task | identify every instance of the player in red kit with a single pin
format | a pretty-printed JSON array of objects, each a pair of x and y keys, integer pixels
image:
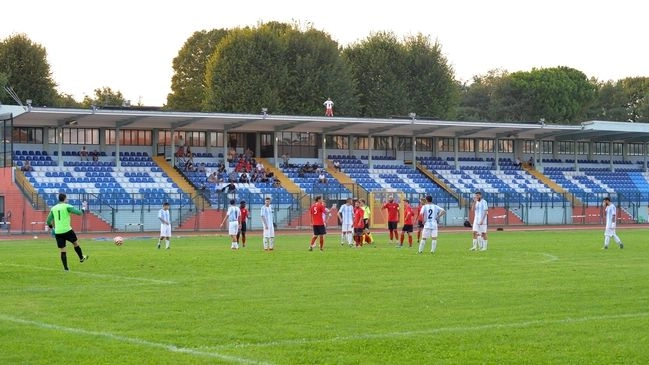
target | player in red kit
[
  {"x": 317, "y": 212},
  {"x": 393, "y": 218},
  {"x": 359, "y": 224},
  {"x": 243, "y": 218},
  {"x": 408, "y": 217}
]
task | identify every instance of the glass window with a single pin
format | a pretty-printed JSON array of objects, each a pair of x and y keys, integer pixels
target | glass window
[
  {"x": 635, "y": 149},
  {"x": 360, "y": 143},
  {"x": 85, "y": 136},
  {"x": 443, "y": 144},
  {"x": 129, "y": 137},
  {"x": 485, "y": 145},
  {"x": 382, "y": 143},
  {"x": 27, "y": 135},
  {"x": 566, "y": 148},
  {"x": 404, "y": 143},
  {"x": 466, "y": 145},
  {"x": 506, "y": 145},
  {"x": 338, "y": 142}
]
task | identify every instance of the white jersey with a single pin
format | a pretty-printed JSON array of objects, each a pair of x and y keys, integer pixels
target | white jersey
[
  {"x": 267, "y": 216},
  {"x": 610, "y": 215},
  {"x": 164, "y": 217},
  {"x": 430, "y": 213},
  {"x": 328, "y": 104},
  {"x": 347, "y": 214},
  {"x": 233, "y": 214},
  {"x": 480, "y": 209}
]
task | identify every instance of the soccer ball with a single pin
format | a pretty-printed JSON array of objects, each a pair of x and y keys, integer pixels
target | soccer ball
[{"x": 118, "y": 240}]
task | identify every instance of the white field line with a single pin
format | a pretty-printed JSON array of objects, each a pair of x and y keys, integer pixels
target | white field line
[
  {"x": 550, "y": 257},
  {"x": 133, "y": 340},
  {"x": 432, "y": 331},
  {"x": 82, "y": 273}
]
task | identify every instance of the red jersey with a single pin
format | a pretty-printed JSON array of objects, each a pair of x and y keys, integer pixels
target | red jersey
[
  {"x": 408, "y": 215},
  {"x": 393, "y": 211},
  {"x": 244, "y": 215},
  {"x": 317, "y": 211},
  {"x": 358, "y": 217}
]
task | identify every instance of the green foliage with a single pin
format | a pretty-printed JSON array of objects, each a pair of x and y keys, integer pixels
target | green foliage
[
  {"x": 104, "y": 96},
  {"x": 202, "y": 303},
  {"x": 558, "y": 95},
  {"x": 378, "y": 65},
  {"x": 395, "y": 78},
  {"x": 24, "y": 64},
  {"x": 279, "y": 67},
  {"x": 67, "y": 101},
  {"x": 188, "y": 82}
]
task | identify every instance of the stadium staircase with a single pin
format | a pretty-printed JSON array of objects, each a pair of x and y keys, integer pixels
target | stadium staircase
[
  {"x": 347, "y": 181},
  {"x": 182, "y": 183},
  {"x": 441, "y": 183},
  {"x": 552, "y": 185},
  {"x": 287, "y": 183}
]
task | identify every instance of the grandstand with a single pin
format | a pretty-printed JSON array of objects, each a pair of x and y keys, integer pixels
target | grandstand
[{"x": 572, "y": 167}]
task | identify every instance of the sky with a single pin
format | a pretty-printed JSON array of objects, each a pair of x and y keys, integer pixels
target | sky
[{"x": 129, "y": 46}]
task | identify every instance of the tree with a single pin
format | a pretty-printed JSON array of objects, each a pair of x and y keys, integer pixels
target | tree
[
  {"x": 431, "y": 86},
  {"x": 396, "y": 78},
  {"x": 635, "y": 91},
  {"x": 279, "y": 67},
  {"x": 66, "y": 101},
  {"x": 104, "y": 96},
  {"x": 378, "y": 66},
  {"x": 24, "y": 64},
  {"x": 559, "y": 95},
  {"x": 188, "y": 84},
  {"x": 476, "y": 98}
]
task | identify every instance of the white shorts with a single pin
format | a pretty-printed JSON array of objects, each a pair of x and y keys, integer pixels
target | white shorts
[
  {"x": 233, "y": 228},
  {"x": 610, "y": 232},
  {"x": 347, "y": 227},
  {"x": 269, "y": 232},
  {"x": 165, "y": 230},
  {"x": 429, "y": 233},
  {"x": 480, "y": 228}
]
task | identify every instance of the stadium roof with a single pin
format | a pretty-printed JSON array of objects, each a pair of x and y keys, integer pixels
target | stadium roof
[{"x": 136, "y": 119}]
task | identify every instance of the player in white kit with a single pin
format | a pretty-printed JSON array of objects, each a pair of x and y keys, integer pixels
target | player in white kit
[
  {"x": 232, "y": 217},
  {"x": 611, "y": 216},
  {"x": 480, "y": 209},
  {"x": 165, "y": 225},
  {"x": 346, "y": 216},
  {"x": 430, "y": 213},
  {"x": 267, "y": 222}
]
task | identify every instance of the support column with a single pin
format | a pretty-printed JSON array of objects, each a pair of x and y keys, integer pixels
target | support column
[
  {"x": 496, "y": 141},
  {"x": 324, "y": 150},
  {"x": 370, "y": 145},
  {"x": 610, "y": 156},
  {"x": 456, "y": 153},
  {"x": 59, "y": 139},
  {"x": 118, "y": 159},
  {"x": 414, "y": 153},
  {"x": 275, "y": 149},
  {"x": 225, "y": 149}
]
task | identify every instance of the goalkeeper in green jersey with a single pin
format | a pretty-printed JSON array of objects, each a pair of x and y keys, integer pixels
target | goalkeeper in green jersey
[{"x": 59, "y": 221}]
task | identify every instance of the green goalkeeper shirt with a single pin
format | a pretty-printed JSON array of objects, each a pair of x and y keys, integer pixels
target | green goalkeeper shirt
[{"x": 60, "y": 215}]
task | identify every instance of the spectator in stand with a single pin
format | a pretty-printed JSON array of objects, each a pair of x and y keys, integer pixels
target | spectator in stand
[
  {"x": 201, "y": 167},
  {"x": 233, "y": 177},
  {"x": 213, "y": 178},
  {"x": 249, "y": 154},
  {"x": 531, "y": 162},
  {"x": 244, "y": 178},
  {"x": 285, "y": 159},
  {"x": 232, "y": 154},
  {"x": 95, "y": 155},
  {"x": 27, "y": 166},
  {"x": 337, "y": 165},
  {"x": 83, "y": 154},
  {"x": 221, "y": 167},
  {"x": 322, "y": 178},
  {"x": 189, "y": 166},
  {"x": 260, "y": 167},
  {"x": 180, "y": 141},
  {"x": 518, "y": 163},
  {"x": 189, "y": 154}
]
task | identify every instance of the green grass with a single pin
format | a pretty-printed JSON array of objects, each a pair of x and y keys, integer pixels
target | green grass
[{"x": 533, "y": 298}]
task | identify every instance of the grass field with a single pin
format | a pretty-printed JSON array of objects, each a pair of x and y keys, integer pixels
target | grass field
[{"x": 533, "y": 298}]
